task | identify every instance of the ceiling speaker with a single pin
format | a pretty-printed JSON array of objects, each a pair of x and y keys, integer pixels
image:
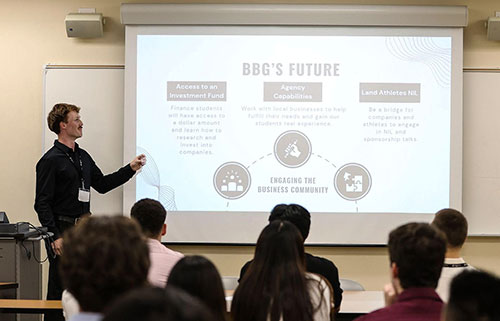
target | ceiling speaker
[
  {"x": 84, "y": 25},
  {"x": 494, "y": 28}
]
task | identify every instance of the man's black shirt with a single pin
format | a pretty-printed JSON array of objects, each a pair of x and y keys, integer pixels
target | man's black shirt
[
  {"x": 58, "y": 180},
  {"x": 317, "y": 265}
]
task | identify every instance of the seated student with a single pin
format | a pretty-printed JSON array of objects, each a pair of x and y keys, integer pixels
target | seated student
[
  {"x": 151, "y": 216},
  {"x": 199, "y": 277},
  {"x": 155, "y": 304},
  {"x": 276, "y": 286},
  {"x": 454, "y": 226},
  {"x": 473, "y": 296},
  {"x": 103, "y": 258},
  {"x": 301, "y": 218},
  {"x": 416, "y": 253},
  {"x": 69, "y": 305}
]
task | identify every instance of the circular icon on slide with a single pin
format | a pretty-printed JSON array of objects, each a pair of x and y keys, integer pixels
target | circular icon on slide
[
  {"x": 352, "y": 181},
  {"x": 292, "y": 149},
  {"x": 232, "y": 180}
]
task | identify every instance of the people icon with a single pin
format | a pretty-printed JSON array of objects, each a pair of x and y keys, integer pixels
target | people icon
[{"x": 232, "y": 180}]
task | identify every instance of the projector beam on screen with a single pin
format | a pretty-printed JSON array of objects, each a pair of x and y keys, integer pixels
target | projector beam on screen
[{"x": 359, "y": 125}]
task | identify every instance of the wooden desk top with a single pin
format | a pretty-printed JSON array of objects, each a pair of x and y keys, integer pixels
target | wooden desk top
[
  {"x": 8, "y": 285},
  {"x": 353, "y": 302},
  {"x": 29, "y": 306},
  {"x": 361, "y": 302}
]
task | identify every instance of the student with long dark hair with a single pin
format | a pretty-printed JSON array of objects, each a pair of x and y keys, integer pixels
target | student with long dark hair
[
  {"x": 199, "y": 277},
  {"x": 301, "y": 218},
  {"x": 276, "y": 285}
]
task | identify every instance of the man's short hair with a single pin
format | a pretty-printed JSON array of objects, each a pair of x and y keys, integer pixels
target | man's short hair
[
  {"x": 454, "y": 226},
  {"x": 103, "y": 258},
  {"x": 418, "y": 250},
  {"x": 59, "y": 113},
  {"x": 474, "y": 296},
  {"x": 151, "y": 216},
  {"x": 294, "y": 213}
]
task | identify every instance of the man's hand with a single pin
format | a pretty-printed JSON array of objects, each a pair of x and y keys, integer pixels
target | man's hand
[
  {"x": 137, "y": 163},
  {"x": 390, "y": 294},
  {"x": 57, "y": 246}
]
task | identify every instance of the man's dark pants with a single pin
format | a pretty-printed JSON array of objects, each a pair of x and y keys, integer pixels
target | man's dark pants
[{"x": 55, "y": 287}]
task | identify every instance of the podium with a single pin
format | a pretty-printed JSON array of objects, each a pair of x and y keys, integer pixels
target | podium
[{"x": 18, "y": 264}]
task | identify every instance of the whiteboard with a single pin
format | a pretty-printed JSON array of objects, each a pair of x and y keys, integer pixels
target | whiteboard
[
  {"x": 481, "y": 158},
  {"x": 99, "y": 91}
]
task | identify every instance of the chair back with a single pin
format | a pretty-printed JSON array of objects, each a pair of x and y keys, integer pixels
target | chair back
[
  {"x": 350, "y": 285},
  {"x": 229, "y": 282}
]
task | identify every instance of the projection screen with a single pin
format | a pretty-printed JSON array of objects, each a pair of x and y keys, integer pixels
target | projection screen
[{"x": 361, "y": 125}]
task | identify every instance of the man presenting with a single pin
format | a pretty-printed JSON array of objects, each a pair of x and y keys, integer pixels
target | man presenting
[{"x": 64, "y": 176}]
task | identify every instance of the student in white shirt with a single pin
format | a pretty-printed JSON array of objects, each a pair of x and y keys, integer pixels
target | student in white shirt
[
  {"x": 150, "y": 215},
  {"x": 454, "y": 225},
  {"x": 104, "y": 257}
]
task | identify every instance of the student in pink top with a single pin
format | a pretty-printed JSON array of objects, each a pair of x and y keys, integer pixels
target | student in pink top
[{"x": 151, "y": 216}]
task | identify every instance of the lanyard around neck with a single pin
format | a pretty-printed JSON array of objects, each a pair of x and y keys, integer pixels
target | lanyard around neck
[
  {"x": 455, "y": 265},
  {"x": 79, "y": 169}
]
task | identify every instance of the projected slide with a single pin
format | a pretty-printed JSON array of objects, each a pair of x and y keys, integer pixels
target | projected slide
[{"x": 339, "y": 124}]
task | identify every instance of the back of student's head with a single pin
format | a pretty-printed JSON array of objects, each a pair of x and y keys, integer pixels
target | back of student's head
[
  {"x": 199, "y": 277},
  {"x": 156, "y": 304},
  {"x": 474, "y": 295},
  {"x": 294, "y": 213},
  {"x": 418, "y": 251},
  {"x": 274, "y": 283},
  {"x": 279, "y": 244},
  {"x": 103, "y": 258},
  {"x": 151, "y": 216},
  {"x": 453, "y": 224}
]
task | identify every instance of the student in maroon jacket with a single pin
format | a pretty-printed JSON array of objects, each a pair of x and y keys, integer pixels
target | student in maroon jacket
[{"x": 416, "y": 252}]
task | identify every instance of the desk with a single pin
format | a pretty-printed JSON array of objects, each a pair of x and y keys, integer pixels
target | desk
[
  {"x": 354, "y": 303},
  {"x": 29, "y": 306},
  {"x": 357, "y": 303},
  {"x": 361, "y": 302}
]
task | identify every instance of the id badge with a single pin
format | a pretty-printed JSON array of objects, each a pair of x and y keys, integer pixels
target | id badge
[{"x": 84, "y": 195}]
